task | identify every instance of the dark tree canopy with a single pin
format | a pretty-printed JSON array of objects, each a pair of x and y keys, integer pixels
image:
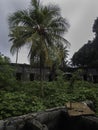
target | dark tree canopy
[
  {"x": 95, "y": 27},
  {"x": 88, "y": 54}
]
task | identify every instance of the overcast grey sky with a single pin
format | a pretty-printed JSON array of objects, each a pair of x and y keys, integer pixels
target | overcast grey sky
[{"x": 80, "y": 14}]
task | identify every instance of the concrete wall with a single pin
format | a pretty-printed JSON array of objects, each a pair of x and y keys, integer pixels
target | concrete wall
[{"x": 26, "y": 72}]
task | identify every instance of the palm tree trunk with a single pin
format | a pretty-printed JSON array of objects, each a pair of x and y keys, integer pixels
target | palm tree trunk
[
  {"x": 17, "y": 56},
  {"x": 41, "y": 77}
]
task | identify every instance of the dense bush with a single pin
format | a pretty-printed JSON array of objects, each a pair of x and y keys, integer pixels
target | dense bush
[
  {"x": 6, "y": 72},
  {"x": 18, "y": 103},
  {"x": 25, "y": 97}
]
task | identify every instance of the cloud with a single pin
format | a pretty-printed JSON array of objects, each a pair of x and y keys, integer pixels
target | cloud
[
  {"x": 80, "y": 14},
  {"x": 7, "y": 7}
]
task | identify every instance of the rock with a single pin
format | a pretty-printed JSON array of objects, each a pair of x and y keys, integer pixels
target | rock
[
  {"x": 90, "y": 104},
  {"x": 48, "y": 119},
  {"x": 52, "y": 119},
  {"x": 34, "y": 125}
]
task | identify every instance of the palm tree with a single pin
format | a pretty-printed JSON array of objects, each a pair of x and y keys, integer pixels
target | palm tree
[
  {"x": 17, "y": 41},
  {"x": 43, "y": 26},
  {"x": 63, "y": 54}
]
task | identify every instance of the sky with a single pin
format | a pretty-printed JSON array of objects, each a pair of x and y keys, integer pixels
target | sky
[{"x": 79, "y": 13}]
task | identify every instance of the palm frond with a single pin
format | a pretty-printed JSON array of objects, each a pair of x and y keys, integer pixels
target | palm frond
[
  {"x": 41, "y": 26},
  {"x": 35, "y": 4}
]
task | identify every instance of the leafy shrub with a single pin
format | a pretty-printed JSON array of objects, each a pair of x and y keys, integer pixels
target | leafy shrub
[
  {"x": 13, "y": 104},
  {"x": 25, "y": 97},
  {"x": 6, "y": 72}
]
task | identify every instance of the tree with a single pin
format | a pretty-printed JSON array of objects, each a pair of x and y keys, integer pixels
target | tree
[
  {"x": 42, "y": 26},
  {"x": 70, "y": 89},
  {"x": 17, "y": 41},
  {"x": 59, "y": 61},
  {"x": 63, "y": 54},
  {"x": 84, "y": 55},
  {"x": 88, "y": 54},
  {"x": 95, "y": 27},
  {"x": 6, "y": 72}
]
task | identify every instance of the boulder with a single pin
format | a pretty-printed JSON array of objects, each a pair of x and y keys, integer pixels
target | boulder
[
  {"x": 45, "y": 120},
  {"x": 90, "y": 104},
  {"x": 52, "y": 119}
]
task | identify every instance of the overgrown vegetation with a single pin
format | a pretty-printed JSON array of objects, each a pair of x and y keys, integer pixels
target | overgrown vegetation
[
  {"x": 18, "y": 98},
  {"x": 44, "y": 27},
  {"x": 6, "y": 72},
  {"x": 26, "y": 97}
]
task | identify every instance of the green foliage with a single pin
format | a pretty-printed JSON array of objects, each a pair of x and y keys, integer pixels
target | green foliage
[
  {"x": 13, "y": 104},
  {"x": 26, "y": 97},
  {"x": 60, "y": 77},
  {"x": 84, "y": 90},
  {"x": 75, "y": 76},
  {"x": 6, "y": 72}
]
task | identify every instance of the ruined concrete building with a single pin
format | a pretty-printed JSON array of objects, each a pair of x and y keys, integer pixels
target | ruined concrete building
[
  {"x": 25, "y": 72},
  {"x": 89, "y": 74}
]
